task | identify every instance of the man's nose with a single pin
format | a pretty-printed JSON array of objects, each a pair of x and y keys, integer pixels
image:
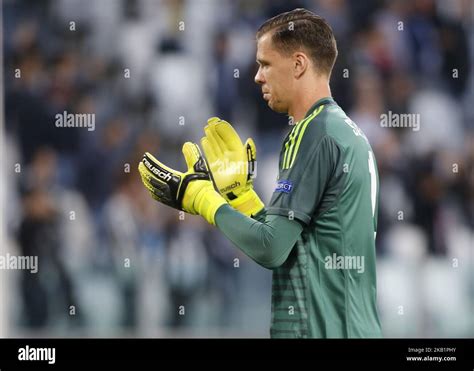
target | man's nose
[{"x": 259, "y": 77}]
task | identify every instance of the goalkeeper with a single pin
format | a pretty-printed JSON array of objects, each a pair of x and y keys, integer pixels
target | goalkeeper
[{"x": 317, "y": 233}]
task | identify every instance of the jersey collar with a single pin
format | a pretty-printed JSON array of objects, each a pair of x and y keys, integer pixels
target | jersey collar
[{"x": 325, "y": 100}]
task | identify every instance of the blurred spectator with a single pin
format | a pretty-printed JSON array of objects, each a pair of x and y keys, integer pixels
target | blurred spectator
[
  {"x": 186, "y": 270},
  {"x": 48, "y": 293}
]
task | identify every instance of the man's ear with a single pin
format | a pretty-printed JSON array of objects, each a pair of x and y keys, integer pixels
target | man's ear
[{"x": 300, "y": 64}]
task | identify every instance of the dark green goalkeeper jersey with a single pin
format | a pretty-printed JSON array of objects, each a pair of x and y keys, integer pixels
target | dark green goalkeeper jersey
[{"x": 328, "y": 181}]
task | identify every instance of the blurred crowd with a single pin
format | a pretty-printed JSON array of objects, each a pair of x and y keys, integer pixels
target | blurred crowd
[{"x": 112, "y": 261}]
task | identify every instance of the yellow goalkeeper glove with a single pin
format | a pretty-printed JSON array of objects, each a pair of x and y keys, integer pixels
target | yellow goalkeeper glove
[
  {"x": 191, "y": 191},
  {"x": 232, "y": 165}
]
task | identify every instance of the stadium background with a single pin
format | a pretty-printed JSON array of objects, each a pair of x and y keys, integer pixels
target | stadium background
[{"x": 114, "y": 263}]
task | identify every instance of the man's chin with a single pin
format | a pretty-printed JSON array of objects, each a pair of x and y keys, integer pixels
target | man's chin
[{"x": 277, "y": 107}]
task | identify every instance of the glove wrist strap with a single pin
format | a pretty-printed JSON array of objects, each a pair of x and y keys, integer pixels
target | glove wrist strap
[
  {"x": 207, "y": 202},
  {"x": 247, "y": 203}
]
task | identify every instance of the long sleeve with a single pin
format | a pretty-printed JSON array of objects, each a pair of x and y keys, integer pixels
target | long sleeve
[{"x": 267, "y": 239}]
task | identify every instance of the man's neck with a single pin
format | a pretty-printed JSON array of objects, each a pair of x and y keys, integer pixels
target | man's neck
[{"x": 306, "y": 98}]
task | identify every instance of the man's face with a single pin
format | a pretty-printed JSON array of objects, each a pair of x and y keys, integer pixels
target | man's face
[{"x": 274, "y": 74}]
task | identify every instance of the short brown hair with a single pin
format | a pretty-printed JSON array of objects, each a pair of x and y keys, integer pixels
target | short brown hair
[{"x": 301, "y": 28}]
